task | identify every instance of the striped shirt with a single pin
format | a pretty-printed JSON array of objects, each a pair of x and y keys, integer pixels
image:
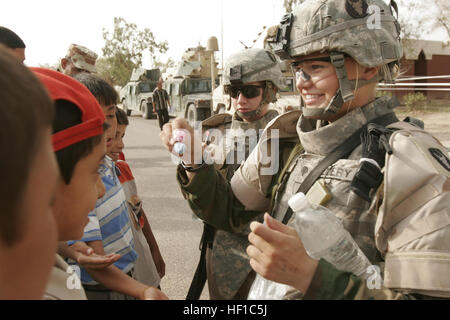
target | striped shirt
[
  {"x": 109, "y": 222},
  {"x": 145, "y": 269}
]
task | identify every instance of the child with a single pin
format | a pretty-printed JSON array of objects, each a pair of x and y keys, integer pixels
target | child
[
  {"x": 79, "y": 145},
  {"x": 149, "y": 266},
  {"x": 109, "y": 228},
  {"x": 27, "y": 226}
]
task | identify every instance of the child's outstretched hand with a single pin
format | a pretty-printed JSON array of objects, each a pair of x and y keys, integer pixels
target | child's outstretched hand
[{"x": 86, "y": 257}]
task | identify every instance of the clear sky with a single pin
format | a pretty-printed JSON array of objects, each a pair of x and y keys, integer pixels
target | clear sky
[{"x": 48, "y": 27}]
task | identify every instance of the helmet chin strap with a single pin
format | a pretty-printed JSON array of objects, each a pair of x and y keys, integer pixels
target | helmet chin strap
[
  {"x": 267, "y": 97},
  {"x": 343, "y": 94}
]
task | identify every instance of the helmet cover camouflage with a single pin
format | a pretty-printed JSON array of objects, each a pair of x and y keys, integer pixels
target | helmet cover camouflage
[
  {"x": 364, "y": 29},
  {"x": 82, "y": 57},
  {"x": 252, "y": 65}
]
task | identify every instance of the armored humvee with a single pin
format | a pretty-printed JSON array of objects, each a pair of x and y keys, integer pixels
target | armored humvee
[
  {"x": 137, "y": 94},
  {"x": 190, "y": 86}
]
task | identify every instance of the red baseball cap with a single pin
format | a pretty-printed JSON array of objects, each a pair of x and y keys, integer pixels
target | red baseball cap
[{"x": 62, "y": 87}]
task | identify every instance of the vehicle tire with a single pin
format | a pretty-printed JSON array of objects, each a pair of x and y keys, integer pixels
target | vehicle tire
[
  {"x": 125, "y": 107},
  {"x": 191, "y": 115},
  {"x": 146, "y": 112}
]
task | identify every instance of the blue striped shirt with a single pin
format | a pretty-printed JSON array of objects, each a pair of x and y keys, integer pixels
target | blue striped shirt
[{"x": 109, "y": 222}]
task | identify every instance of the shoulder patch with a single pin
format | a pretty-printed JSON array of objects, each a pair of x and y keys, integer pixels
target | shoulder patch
[
  {"x": 356, "y": 8},
  {"x": 440, "y": 157}
]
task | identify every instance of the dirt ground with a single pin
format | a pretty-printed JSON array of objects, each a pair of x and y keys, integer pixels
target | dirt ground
[{"x": 437, "y": 123}]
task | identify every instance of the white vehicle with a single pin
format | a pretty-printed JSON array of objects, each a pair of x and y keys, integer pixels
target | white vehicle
[{"x": 137, "y": 94}]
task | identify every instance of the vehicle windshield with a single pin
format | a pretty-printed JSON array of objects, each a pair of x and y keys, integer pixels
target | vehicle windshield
[
  {"x": 198, "y": 85},
  {"x": 147, "y": 87}
]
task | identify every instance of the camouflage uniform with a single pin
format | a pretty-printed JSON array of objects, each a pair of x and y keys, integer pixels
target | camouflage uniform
[
  {"x": 419, "y": 248},
  {"x": 235, "y": 138},
  {"x": 226, "y": 270},
  {"x": 82, "y": 58}
]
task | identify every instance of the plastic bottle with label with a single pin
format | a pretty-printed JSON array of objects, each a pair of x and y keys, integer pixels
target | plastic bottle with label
[{"x": 323, "y": 236}]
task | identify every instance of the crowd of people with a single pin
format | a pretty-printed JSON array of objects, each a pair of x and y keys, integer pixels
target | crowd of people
[{"x": 388, "y": 181}]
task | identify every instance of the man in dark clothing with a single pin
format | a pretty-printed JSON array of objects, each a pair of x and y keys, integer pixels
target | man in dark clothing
[{"x": 161, "y": 103}]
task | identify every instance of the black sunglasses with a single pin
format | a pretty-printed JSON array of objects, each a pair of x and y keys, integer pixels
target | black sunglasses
[{"x": 249, "y": 91}]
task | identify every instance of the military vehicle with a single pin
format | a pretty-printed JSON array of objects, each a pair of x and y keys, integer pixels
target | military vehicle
[
  {"x": 221, "y": 101},
  {"x": 190, "y": 86},
  {"x": 288, "y": 97},
  {"x": 137, "y": 94}
]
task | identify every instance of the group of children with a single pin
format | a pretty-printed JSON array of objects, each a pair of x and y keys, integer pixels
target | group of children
[{"x": 69, "y": 194}]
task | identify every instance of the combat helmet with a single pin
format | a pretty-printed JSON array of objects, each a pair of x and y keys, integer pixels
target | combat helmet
[
  {"x": 252, "y": 65},
  {"x": 365, "y": 30}
]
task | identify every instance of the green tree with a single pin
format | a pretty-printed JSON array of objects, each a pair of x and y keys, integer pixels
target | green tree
[{"x": 124, "y": 48}]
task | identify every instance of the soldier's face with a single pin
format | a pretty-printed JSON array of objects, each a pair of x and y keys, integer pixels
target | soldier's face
[
  {"x": 243, "y": 104},
  {"x": 316, "y": 81}
]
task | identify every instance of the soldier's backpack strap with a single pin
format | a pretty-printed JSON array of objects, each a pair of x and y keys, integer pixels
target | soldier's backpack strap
[
  {"x": 199, "y": 279},
  {"x": 341, "y": 151},
  {"x": 283, "y": 176}
]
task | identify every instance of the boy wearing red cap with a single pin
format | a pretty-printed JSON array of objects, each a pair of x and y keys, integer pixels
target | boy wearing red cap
[
  {"x": 79, "y": 143},
  {"x": 109, "y": 229},
  {"x": 79, "y": 146}
]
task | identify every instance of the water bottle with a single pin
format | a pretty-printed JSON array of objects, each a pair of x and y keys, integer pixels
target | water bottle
[
  {"x": 263, "y": 289},
  {"x": 324, "y": 236}
]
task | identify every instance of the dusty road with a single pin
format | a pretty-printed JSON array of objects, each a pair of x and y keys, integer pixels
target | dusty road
[
  {"x": 176, "y": 232},
  {"x": 178, "y": 235}
]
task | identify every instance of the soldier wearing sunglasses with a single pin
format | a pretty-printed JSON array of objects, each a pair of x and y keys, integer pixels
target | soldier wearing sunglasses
[{"x": 251, "y": 78}]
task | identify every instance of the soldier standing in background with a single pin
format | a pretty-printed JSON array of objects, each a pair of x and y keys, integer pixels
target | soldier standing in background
[
  {"x": 251, "y": 90},
  {"x": 78, "y": 59},
  {"x": 161, "y": 103},
  {"x": 400, "y": 224}
]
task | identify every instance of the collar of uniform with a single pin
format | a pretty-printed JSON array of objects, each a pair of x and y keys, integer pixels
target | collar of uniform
[
  {"x": 238, "y": 123},
  {"x": 324, "y": 140}
]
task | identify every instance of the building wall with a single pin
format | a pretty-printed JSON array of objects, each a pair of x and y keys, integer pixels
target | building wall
[{"x": 438, "y": 65}]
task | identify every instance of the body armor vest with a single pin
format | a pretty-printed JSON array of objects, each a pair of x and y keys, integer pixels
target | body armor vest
[{"x": 227, "y": 265}]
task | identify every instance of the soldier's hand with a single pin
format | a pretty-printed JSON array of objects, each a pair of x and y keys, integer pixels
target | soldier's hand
[
  {"x": 193, "y": 153},
  {"x": 277, "y": 253}
]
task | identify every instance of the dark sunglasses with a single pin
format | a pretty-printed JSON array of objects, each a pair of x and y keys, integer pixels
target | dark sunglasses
[{"x": 249, "y": 91}]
